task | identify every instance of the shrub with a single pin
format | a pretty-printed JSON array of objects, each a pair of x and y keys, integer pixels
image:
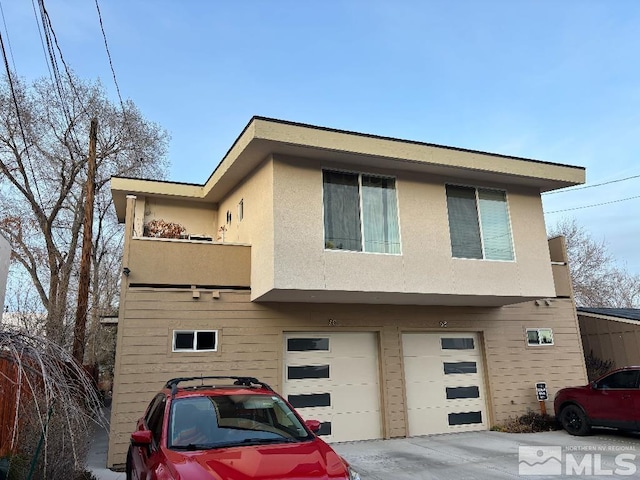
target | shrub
[
  {"x": 596, "y": 367},
  {"x": 530, "y": 422}
]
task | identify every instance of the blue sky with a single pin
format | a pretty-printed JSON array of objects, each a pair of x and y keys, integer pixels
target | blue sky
[{"x": 551, "y": 80}]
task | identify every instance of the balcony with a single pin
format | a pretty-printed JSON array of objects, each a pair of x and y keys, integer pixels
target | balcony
[{"x": 160, "y": 261}]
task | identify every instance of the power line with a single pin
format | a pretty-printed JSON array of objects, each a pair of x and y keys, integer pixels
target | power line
[
  {"x": 44, "y": 50},
  {"x": 4, "y": 21},
  {"x": 49, "y": 34},
  {"x": 15, "y": 103},
  {"x": 591, "y": 186},
  {"x": 106, "y": 46},
  {"x": 593, "y": 205}
]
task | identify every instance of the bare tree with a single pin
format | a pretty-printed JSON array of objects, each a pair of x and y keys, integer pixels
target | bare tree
[
  {"x": 43, "y": 157},
  {"x": 598, "y": 280}
]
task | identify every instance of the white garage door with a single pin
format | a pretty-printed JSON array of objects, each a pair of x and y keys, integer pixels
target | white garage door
[
  {"x": 333, "y": 378},
  {"x": 445, "y": 383}
]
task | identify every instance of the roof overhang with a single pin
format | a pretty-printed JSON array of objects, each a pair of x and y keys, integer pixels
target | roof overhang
[
  {"x": 609, "y": 317},
  {"x": 265, "y": 136}
]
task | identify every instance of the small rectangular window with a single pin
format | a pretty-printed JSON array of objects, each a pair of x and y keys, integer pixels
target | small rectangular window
[
  {"x": 310, "y": 400},
  {"x": 307, "y": 344},
  {"x": 241, "y": 210},
  {"x": 539, "y": 336},
  {"x": 308, "y": 371},
  {"x": 195, "y": 340},
  {"x": 457, "y": 343},
  {"x": 183, "y": 340},
  {"x": 453, "y": 368},
  {"x": 465, "y": 418},
  {"x": 462, "y": 392},
  {"x": 325, "y": 429}
]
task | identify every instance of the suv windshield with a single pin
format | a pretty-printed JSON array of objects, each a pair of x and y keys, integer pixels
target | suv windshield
[{"x": 215, "y": 421}]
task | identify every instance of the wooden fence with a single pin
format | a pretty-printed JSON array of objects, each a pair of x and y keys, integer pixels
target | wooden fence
[{"x": 8, "y": 388}]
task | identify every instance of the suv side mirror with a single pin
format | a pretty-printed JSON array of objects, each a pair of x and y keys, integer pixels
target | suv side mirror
[
  {"x": 141, "y": 438},
  {"x": 313, "y": 425}
]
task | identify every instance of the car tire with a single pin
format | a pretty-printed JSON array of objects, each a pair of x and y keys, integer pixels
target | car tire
[
  {"x": 127, "y": 469},
  {"x": 574, "y": 420}
]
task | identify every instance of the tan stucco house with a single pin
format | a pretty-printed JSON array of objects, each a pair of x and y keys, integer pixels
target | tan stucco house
[{"x": 387, "y": 288}]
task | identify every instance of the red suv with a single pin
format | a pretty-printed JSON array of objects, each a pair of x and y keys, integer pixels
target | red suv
[
  {"x": 611, "y": 401},
  {"x": 238, "y": 428}
]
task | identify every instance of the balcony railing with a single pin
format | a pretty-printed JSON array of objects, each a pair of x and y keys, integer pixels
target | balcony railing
[{"x": 159, "y": 261}]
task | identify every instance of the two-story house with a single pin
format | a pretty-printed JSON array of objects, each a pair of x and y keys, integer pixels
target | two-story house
[{"x": 387, "y": 288}]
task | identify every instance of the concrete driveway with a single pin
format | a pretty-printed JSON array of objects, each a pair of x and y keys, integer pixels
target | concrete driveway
[
  {"x": 468, "y": 456},
  {"x": 495, "y": 456}
]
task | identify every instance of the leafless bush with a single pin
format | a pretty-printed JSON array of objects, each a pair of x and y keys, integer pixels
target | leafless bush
[
  {"x": 597, "y": 367},
  {"x": 56, "y": 406},
  {"x": 530, "y": 422}
]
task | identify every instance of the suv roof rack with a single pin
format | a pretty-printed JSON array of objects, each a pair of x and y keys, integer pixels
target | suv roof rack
[{"x": 244, "y": 381}]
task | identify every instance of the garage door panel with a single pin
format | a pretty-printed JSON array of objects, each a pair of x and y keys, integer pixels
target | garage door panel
[
  {"x": 415, "y": 345},
  {"x": 353, "y": 344},
  {"x": 444, "y": 382},
  {"x": 343, "y": 378},
  {"x": 355, "y": 426},
  {"x": 427, "y": 393}
]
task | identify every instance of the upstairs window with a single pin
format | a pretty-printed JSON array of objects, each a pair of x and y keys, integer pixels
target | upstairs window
[
  {"x": 360, "y": 213},
  {"x": 479, "y": 223}
]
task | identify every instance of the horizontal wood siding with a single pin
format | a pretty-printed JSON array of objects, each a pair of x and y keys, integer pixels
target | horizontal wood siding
[
  {"x": 251, "y": 343},
  {"x": 611, "y": 340}
]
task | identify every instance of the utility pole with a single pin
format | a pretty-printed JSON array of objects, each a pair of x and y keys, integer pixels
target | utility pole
[{"x": 80, "y": 329}]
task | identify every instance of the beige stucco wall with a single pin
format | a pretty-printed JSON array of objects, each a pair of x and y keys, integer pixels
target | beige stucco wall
[
  {"x": 159, "y": 261},
  {"x": 251, "y": 343},
  {"x": 257, "y": 227},
  {"x": 198, "y": 218},
  {"x": 425, "y": 266},
  {"x": 283, "y": 223}
]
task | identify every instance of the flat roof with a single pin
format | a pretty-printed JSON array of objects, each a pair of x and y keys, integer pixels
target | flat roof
[{"x": 265, "y": 136}]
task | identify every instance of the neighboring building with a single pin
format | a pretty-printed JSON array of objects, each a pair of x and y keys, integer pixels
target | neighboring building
[
  {"x": 5, "y": 258},
  {"x": 28, "y": 321},
  {"x": 611, "y": 334},
  {"x": 386, "y": 287}
]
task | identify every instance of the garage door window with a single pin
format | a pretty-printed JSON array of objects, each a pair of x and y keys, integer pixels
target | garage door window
[
  {"x": 462, "y": 392},
  {"x": 308, "y": 371},
  {"x": 311, "y": 400},
  {"x": 307, "y": 344},
  {"x": 457, "y": 343},
  {"x": 465, "y": 418},
  {"x": 454, "y": 368}
]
